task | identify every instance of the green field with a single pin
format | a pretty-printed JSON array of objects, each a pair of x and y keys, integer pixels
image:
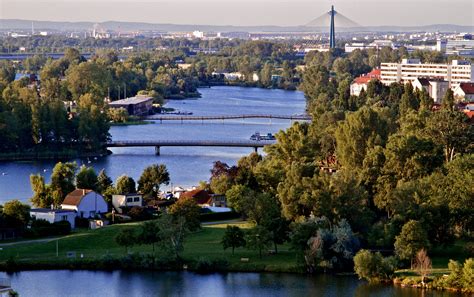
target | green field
[{"x": 95, "y": 244}]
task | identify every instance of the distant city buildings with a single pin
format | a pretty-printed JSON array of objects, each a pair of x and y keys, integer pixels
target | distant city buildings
[
  {"x": 410, "y": 69},
  {"x": 461, "y": 45}
]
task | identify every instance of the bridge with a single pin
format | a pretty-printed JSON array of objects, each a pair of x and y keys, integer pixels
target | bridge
[
  {"x": 182, "y": 118},
  {"x": 183, "y": 143}
]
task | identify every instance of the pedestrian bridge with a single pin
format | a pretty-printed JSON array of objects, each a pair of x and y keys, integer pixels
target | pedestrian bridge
[
  {"x": 182, "y": 118},
  {"x": 184, "y": 143}
]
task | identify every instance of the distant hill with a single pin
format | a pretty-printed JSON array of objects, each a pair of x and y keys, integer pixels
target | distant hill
[{"x": 16, "y": 24}]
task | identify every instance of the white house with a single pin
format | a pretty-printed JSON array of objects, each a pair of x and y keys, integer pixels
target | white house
[
  {"x": 126, "y": 200},
  {"x": 54, "y": 215},
  {"x": 86, "y": 203},
  {"x": 436, "y": 88},
  {"x": 464, "y": 92},
  {"x": 361, "y": 82}
]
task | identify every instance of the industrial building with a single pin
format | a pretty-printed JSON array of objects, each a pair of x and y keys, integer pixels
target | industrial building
[{"x": 137, "y": 106}]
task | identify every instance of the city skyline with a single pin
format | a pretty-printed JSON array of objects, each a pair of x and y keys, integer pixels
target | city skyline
[{"x": 212, "y": 12}]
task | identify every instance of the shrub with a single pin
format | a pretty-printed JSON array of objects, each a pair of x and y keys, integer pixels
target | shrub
[
  {"x": 205, "y": 265},
  {"x": 373, "y": 267},
  {"x": 82, "y": 222}
]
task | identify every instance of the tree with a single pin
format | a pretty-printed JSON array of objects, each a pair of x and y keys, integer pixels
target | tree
[
  {"x": 86, "y": 178},
  {"x": 17, "y": 211},
  {"x": 62, "y": 181},
  {"x": 125, "y": 185},
  {"x": 188, "y": 209},
  {"x": 411, "y": 239},
  {"x": 41, "y": 192},
  {"x": 258, "y": 238},
  {"x": 103, "y": 181},
  {"x": 422, "y": 264},
  {"x": 152, "y": 177},
  {"x": 126, "y": 238},
  {"x": 450, "y": 129},
  {"x": 233, "y": 237},
  {"x": 448, "y": 100},
  {"x": 360, "y": 131},
  {"x": 172, "y": 235},
  {"x": 149, "y": 233}
]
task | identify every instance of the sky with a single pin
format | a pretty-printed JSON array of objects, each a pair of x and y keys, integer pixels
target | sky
[{"x": 243, "y": 12}]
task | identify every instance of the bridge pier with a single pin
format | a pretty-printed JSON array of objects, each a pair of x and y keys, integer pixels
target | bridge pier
[
  {"x": 256, "y": 149},
  {"x": 157, "y": 150}
]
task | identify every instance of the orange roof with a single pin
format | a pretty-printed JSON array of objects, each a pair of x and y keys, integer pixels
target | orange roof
[
  {"x": 365, "y": 78},
  {"x": 200, "y": 196},
  {"x": 75, "y": 197},
  {"x": 468, "y": 88}
]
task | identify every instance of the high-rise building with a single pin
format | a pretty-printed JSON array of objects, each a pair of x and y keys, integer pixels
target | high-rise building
[{"x": 410, "y": 69}]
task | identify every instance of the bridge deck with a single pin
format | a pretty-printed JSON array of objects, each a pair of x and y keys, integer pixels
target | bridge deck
[
  {"x": 221, "y": 143},
  {"x": 226, "y": 117}
]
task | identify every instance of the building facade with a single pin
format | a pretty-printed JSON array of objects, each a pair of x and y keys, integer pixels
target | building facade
[
  {"x": 138, "y": 105},
  {"x": 434, "y": 87},
  {"x": 126, "y": 200},
  {"x": 361, "y": 82},
  {"x": 410, "y": 69},
  {"x": 86, "y": 203},
  {"x": 54, "y": 215},
  {"x": 464, "y": 92}
]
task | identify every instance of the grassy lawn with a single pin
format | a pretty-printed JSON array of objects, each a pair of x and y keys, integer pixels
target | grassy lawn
[{"x": 202, "y": 244}]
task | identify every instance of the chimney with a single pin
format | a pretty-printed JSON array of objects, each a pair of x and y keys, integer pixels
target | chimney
[{"x": 84, "y": 192}]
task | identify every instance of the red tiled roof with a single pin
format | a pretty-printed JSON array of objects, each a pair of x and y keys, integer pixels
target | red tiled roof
[
  {"x": 200, "y": 196},
  {"x": 75, "y": 197},
  {"x": 468, "y": 88},
  {"x": 365, "y": 78}
]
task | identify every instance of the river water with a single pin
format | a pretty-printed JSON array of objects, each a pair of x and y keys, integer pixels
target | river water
[
  {"x": 187, "y": 165},
  {"x": 66, "y": 283}
]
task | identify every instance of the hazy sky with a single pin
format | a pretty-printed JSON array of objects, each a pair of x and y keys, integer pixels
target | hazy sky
[{"x": 243, "y": 12}]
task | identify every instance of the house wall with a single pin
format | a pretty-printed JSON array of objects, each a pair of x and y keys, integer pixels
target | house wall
[
  {"x": 122, "y": 201},
  {"x": 54, "y": 217},
  {"x": 91, "y": 204}
]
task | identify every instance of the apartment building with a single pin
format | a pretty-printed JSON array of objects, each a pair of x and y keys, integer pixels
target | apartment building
[{"x": 410, "y": 69}]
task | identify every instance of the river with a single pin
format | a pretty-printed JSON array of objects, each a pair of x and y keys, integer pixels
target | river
[
  {"x": 187, "y": 165},
  {"x": 66, "y": 283}
]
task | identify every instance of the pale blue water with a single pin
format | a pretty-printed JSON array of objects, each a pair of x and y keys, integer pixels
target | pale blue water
[
  {"x": 66, "y": 283},
  {"x": 187, "y": 165}
]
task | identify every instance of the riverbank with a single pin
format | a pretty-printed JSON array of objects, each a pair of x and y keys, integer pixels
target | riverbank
[
  {"x": 50, "y": 155},
  {"x": 97, "y": 250}
]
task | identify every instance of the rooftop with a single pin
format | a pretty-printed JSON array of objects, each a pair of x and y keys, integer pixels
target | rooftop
[
  {"x": 75, "y": 197},
  {"x": 47, "y": 210},
  {"x": 132, "y": 100},
  {"x": 468, "y": 88}
]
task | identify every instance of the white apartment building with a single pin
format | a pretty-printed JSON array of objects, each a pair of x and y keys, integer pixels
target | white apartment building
[{"x": 410, "y": 69}]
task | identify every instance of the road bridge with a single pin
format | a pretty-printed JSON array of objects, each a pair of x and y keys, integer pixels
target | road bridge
[{"x": 183, "y": 143}]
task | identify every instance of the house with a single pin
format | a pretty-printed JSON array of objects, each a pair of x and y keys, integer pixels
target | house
[
  {"x": 54, "y": 215},
  {"x": 86, "y": 203},
  {"x": 464, "y": 92},
  {"x": 361, "y": 82},
  {"x": 436, "y": 88},
  {"x": 126, "y": 200},
  {"x": 204, "y": 198},
  {"x": 140, "y": 105}
]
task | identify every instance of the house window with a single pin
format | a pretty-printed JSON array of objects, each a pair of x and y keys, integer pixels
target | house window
[
  {"x": 63, "y": 218},
  {"x": 92, "y": 214},
  {"x": 129, "y": 200},
  {"x": 136, "y": 199}
]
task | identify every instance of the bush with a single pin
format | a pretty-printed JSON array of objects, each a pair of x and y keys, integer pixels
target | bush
[
  {"x": 42, "y": 228},
  {"x": 138, "y": 213},
  {"x": 218, "y": 216},
  {"x": 373, "y": 267},
  {"x": 82, "y": 222},
  {"x": 204, "y": 265}
]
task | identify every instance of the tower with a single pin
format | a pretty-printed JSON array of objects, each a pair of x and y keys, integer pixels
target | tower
[{"x": 332, "y": 33}]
